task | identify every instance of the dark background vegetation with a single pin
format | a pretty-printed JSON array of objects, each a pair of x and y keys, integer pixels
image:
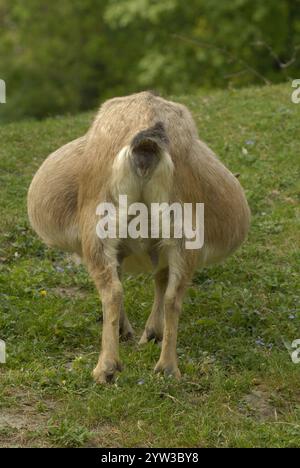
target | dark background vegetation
[{"x": 68, "y": 55}]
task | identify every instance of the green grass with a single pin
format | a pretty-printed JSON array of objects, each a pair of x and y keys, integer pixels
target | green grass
[{"x": 239, "y": 386}]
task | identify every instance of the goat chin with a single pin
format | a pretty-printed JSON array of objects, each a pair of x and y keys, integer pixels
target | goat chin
[{"x": 148, "y": 149}]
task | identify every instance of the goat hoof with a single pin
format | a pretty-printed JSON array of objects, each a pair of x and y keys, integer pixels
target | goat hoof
[
  {"x": 150, "y": 334},
  {"x": 126, "y": 333},
  {"x": 105, "y": 371},
  {"x": 168, "y": 369}
]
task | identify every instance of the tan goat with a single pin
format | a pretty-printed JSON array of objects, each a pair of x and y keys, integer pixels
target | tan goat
[{"x": 146, "y": 148}]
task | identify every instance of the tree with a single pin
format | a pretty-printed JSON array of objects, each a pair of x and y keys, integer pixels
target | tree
[{"x": 66, "y": 56}]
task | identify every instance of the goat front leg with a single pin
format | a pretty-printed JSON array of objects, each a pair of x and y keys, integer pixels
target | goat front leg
[
  {"x": 177, "y": 283},
  {"x": 125, "y": 328},
  {"x": 111, "y": 292},
  {"x": 155, "y": 322}
]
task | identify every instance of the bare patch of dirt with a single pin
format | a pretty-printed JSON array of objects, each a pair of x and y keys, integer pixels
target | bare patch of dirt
[
  {"x": 69, "y": 292},
  {"x": 25, "y": 425},
  {"x": 258, "y": 403}
]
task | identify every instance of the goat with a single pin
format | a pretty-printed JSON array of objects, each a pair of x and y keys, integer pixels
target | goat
[{"x": 147, "y": 148}]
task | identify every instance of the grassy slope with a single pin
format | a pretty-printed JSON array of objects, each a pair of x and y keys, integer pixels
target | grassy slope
[{"x": 239, "y": 387}]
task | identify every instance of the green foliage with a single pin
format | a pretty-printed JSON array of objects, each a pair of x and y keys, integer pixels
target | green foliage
[
  {"x": 64, "y": 56},
  {"x": 239, "y": 386}
]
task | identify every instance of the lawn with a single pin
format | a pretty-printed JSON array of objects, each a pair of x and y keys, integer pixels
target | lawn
[{"x": 240, "y": 387}]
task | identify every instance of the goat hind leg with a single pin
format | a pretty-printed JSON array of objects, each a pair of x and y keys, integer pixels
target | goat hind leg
[{"x": 110, "y": 289}]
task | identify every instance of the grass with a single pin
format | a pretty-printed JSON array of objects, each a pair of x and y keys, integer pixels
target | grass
[{"x": 240, "y": 387}]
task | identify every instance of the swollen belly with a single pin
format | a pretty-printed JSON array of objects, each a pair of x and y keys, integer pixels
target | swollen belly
[{"x": 67, "y": 240}]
